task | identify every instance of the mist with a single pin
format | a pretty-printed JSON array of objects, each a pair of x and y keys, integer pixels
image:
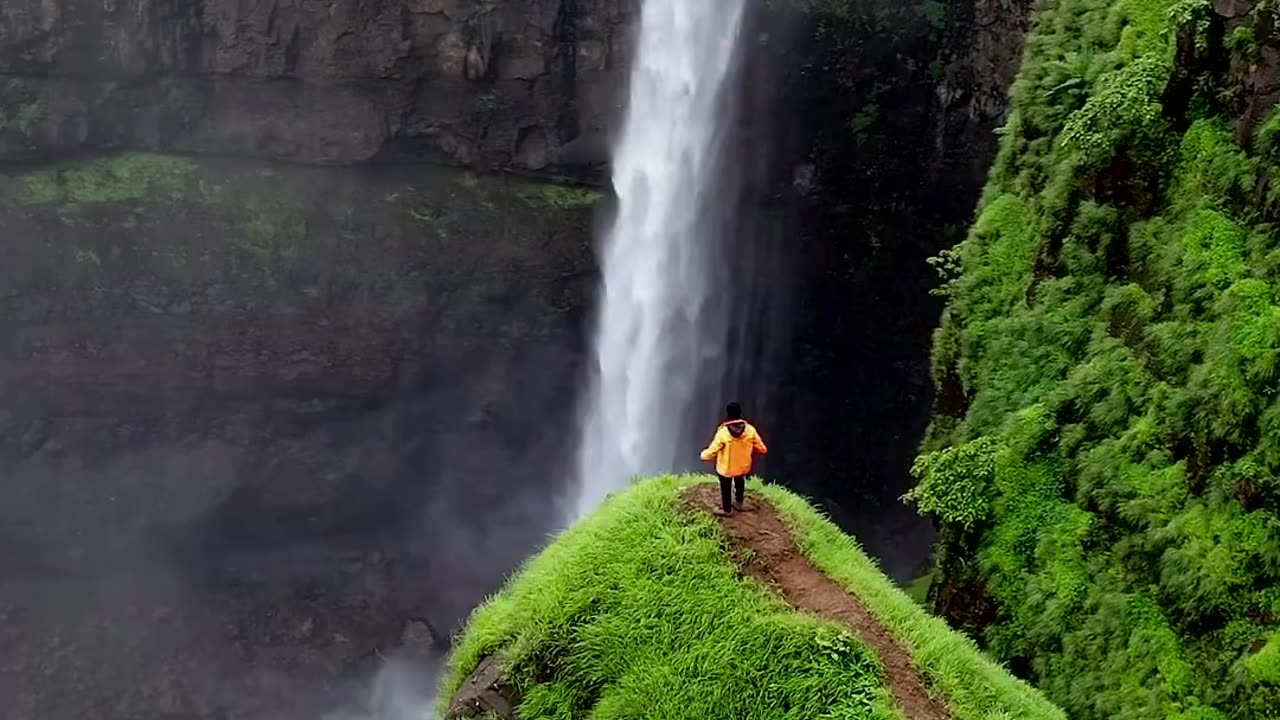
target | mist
[{"x": 401, "y": 690}]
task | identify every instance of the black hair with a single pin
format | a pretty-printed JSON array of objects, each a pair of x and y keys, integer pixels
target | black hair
[{"x": 734, "y": 411}]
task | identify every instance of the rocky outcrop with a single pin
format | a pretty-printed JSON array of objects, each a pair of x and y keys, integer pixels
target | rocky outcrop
[
  {"x": 258, "y": 417},
  {"x": 982, "y": 49},
  {"x": 486, "y": 693},
  {"x": 527, "y": 84}
]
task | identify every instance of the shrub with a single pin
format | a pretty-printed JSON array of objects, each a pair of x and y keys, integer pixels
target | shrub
[{"x": 956, "y": 483}]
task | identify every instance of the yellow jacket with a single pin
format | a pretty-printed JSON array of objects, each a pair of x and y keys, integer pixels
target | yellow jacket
[{"x": 733, "y": 446}]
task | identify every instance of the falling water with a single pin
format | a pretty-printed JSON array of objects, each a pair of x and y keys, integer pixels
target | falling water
[{"x": 660, "y": 339}]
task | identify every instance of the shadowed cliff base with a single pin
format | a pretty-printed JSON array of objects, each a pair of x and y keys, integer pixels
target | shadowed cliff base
[{"x": 243, "y": 403}]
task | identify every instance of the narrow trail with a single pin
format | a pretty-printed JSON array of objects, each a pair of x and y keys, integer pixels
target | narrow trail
[{"x": 777, "y": 561}]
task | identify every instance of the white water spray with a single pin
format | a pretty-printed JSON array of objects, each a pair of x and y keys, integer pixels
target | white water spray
[
  {"x": 401, "y": 690},
  {"x": 658, "y": 337}
]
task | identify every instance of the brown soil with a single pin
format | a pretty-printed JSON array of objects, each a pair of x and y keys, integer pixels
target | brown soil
[{"x": 777, "y": 561}]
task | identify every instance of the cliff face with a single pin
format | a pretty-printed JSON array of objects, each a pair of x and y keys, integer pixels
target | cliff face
[
  {"x": 265, "y": 381},
  {"x": 525, "y": 84},
  {"x": 982, "y": 46},
  {"x": 894, "y": 107},
  {"x": 266, "y": 422}
]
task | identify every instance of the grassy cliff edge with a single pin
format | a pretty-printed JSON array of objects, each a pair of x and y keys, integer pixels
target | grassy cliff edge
[{"x": 640, "y": 610}]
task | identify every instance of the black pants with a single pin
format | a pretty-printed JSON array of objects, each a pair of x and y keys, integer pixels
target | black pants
[{"x": 739, "y": 487}]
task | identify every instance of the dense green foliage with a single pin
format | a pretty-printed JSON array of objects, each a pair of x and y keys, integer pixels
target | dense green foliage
[
  {"x": 639, "y": 611},
  {"x": 956, "y": 482},
  {"x": 1107, "y": 438}
]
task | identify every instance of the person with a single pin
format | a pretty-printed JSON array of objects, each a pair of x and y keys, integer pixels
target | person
[{"x": 735, "y": 443}]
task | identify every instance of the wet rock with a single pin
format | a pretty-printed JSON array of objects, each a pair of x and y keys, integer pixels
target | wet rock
[
  {"x": 241, "y": 486},
  {"x": 306, "y": 631},
  {"x": 437, "y": 80},
  {"x": 533, "y": 149},
  {"x": 982, "y": 52},
  {"x": 419, "y": 640},
  {"x": 1233, "y": 8},
  {"x": 486, "y": 693},
  {"x": 35, "y": 437}
]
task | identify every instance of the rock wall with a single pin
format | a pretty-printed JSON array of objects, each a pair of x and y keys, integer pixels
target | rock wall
[
  {"x": 894, "y": 108},
  {"x": 525, "y": 84},
  {"x": 241, "y": 396},
  {"x": 982, "y": 47},
  {"x": 282, "y": 391}
]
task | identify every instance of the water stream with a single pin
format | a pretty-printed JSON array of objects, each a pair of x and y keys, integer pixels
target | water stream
[{"x": 660, "y": 340}]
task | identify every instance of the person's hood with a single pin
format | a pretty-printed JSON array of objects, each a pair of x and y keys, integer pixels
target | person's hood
[{"x": 736, "y": 428}]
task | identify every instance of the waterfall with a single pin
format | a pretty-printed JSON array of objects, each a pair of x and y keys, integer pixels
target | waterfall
[{"x": 661, "y": 339}]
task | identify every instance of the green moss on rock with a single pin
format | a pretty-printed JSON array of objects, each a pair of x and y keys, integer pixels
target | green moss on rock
[
  {"x": 563, "y": 197},
  {"x": 29, "y": 117},
  {"x": 119, "y": 178}
]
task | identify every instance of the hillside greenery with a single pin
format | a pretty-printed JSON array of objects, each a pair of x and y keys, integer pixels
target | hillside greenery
[
  {"x": 1104, "y": 458},
  {"x": 639, "y": 611}
]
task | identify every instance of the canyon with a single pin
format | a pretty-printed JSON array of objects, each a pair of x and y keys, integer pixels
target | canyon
[{"x": 296, "y": 298}]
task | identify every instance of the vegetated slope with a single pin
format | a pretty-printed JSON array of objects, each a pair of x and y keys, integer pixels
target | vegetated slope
[
  {"x": 1106, "y": 446},
  {"x": 642, "y": 610},
  {"x": 763, "y": 549}
]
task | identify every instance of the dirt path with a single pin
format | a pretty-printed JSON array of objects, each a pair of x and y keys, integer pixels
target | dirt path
[{"x": 778, "y": 562}]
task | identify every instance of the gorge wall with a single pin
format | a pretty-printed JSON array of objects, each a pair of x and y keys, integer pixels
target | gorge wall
[
  {"x": 895, "y": 106},
  {"x": 248, "y": 410},
  {"x": 526, "y": 84},
  {"x": 295, "y": 300},
  {"x": 288, "y": 364}
]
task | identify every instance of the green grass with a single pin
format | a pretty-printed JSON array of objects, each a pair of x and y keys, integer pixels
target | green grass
[
  {"x": 119, "y": 178},
  {"x": 976, "y": 688},
  {"x": 1265, "y": 664},
  {"x": 562, "y": 197},
  {"x": 638, "y": 611},
  {"x": 918, "y": 589}
]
